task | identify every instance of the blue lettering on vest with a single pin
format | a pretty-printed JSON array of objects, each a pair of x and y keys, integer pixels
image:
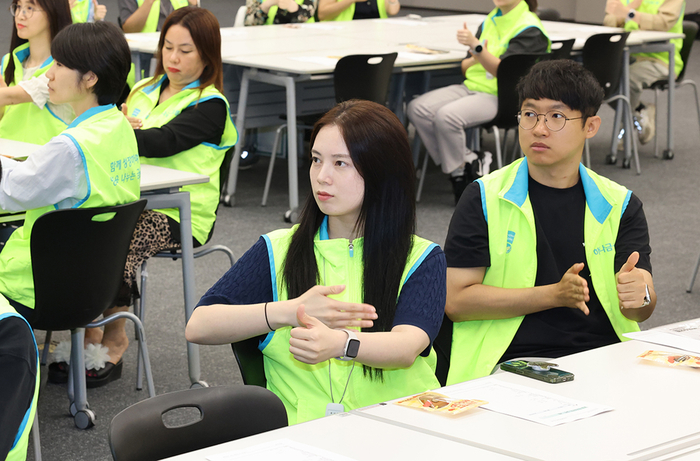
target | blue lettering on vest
[
  {"x": 604, "y": 249},
  {"x": 509, "y": 244}
]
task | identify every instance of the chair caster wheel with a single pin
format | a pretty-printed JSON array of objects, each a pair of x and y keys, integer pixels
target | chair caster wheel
[
  {"x": 84, "y": 419},
  {"x": 610, "y": 159},
  {"x": 228, "y": 200},
  {"x": 291, "y": 216},
  {"x": 198, "y": 385},
  {"x": 668, "y": 154},
  {"x": 626, "y": 164}
]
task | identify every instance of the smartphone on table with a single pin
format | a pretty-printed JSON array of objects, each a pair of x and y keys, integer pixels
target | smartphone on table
[{"x": 536, "y": 370}]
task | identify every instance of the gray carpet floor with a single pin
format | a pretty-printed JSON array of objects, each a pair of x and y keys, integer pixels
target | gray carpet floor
[{"x": 668, "y": 188}]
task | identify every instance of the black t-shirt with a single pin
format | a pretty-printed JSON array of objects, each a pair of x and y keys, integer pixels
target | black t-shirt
[
  {"x": 559, "y": 216},
  {"x": 366, "y": 10},
  {"x": 17, "y": 378}
]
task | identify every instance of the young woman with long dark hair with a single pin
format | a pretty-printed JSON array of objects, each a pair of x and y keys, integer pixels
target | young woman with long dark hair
[{"x": 350, "y": 284}]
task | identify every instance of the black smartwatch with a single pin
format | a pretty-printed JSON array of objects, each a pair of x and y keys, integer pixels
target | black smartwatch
[
  {"x": 478, "y": 48},
  {"x": 352, "y": 346},
  {"x": 630, "y": 15}
]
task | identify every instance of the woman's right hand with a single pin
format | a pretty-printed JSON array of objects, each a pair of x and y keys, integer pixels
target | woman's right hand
[
  {"x": 136, "y": 123},
  {"x": 334, "y": 313}
]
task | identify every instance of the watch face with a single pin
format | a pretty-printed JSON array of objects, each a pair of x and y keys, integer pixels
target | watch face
[
  {"x": 353, "y": 348},
  {"x": 478, "y": 48}
]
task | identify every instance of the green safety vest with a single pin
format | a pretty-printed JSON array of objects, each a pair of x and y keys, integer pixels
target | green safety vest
[
  {"x": 107, "y": 145},
  {"x": 304, "y": 389},
  {"x": 348, "y": 13},
  {"x": 26, "y": 122},
  {"x": 652, "y": 7},
  {"x": 18, "y": 452},
  {"x": 153, "y": 15},
  {"x": 497, "y": 31},
  {"x": 477, "y": 345},
  {"x": 272, "y": 12},
  {"x": 204, "y": 159},
  {"x": 83, "y": 11}
]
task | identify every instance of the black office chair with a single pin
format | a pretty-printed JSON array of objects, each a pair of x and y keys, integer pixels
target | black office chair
[
  {"x": 147, "y": 432},
  {"x": 548, "y": 14},
  {"x": 78, "y": 258},
  {"x": 250, "y": 361},
  {"x": 690, "y": 29},
  {"x": 359, "y": 76},
  {"x": 603, "y": 55},
  {"x": 510, "y": 70},
  {"x": 561, "y": 49},
  {"x": 176, "y": 253},
  {"x": 443, "y": 350}
]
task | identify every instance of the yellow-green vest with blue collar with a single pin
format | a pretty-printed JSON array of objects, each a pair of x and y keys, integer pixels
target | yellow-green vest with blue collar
[
  {"x": 497, "y": 31},
  {"x": 348, "y": 13},
  {"x": 304, "y": 389},
  {"x": 273, "y": 11},
  {"x": 652, "y": 7},
  {"x": 154, "y": 14},
  {"x": 477, "y": 345},
  {"x": 206, "y": 158},
  {"x": 18, "y": 451},
  {"x": 26, "y": 122},
  {"x": 83, "y": 11},
  {"x": 107, "y": 145}
]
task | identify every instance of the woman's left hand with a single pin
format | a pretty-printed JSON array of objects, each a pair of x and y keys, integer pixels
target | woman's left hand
[
  {"x": 314, "y": 342},
  {"x": 136, "y": 123}
]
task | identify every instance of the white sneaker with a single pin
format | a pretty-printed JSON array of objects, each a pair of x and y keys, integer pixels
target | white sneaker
[
  {"x": 482, "y": 165},
  {"x": 647, "y": 119}
]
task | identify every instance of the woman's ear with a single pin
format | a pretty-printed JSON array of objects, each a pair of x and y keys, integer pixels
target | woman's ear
[{"x": 89, "y": 79}]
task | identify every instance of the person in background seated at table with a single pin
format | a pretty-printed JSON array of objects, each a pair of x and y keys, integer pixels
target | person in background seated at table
[
  {"x": 76, "y": 169},
  {"x": 87, "y": 11},
  {"x": 19, "y": 382},
  {"x": 545, "y": 257},
  {"x": 27, "y": 113},
  {"x": 441, "y": 116},
  {"x": 347, "y": 10},
  {"x": 647, "y": 68},
  {"x": 148, "y": 15},
  {"x": 259, "y": 12},
  {"x": 181, "y": 121},
  {"x": 350, "y": 286}
]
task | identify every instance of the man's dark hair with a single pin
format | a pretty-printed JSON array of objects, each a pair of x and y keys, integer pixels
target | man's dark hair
[{"x": 566, "y": 81}]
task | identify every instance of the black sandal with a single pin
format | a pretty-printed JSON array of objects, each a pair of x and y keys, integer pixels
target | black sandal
[
  {"x": 58, "y": 372},
  {"x": 98, "y": 378}
]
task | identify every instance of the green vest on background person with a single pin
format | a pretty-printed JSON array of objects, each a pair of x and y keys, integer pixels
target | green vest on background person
[
  {"x": 304, "y": 389},
  {"x": 497, "y": 31},
  {"x": 652, "y": 7},
  {"x": 273, "y": 11},
  {"x": 478, "y": 345},
  {"x": 348, "y": 13},
  {"x": 82, "y": 11},
  {"x": 107, "y": 145},
  {"x": 204, "y": 159},
  {"x": 26, "y": 122},
  {"x": 18, "y": 452},
  {"x": 154, "y": 14}
]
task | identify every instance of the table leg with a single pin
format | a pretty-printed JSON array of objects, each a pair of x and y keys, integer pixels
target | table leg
[
  {"x": 668, "y": 153},
  {"x": 629, "y": 130},
  {"x": 136, "y": 59},
  {"x": 293, "y": 212},
  {"x": 229, "y": 198}
]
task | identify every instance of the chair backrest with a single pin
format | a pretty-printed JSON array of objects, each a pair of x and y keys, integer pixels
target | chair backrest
[
  {"x": 511, "y": 69},
  {"x": 221, "y": 414},
  {"x": 561, "y": 49},
  {"x": 78, "y": 259},
  {"x": 690, "y": 29},
  {"x": 250, "y": 361},
  {"x": 443, "y": 350},
  {"x": 240, "y": 17},
  {"x": 364, "y": 76},
  {"x": 548, "y": 14},
  {"x": 603, "y": 55}
]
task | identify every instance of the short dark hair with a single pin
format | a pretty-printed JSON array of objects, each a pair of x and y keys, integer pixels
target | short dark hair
[
  {"x": 100, "y": 48},
  {"x": 532, "y": 5},
  {"x": 566, "y": 81}
]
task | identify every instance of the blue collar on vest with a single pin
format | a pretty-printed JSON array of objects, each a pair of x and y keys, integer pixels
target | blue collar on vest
[
  {"x": 323, "y": 230},
  {"x": 597, "y": 203},
  {"x": 23, "y": 53},
  {"x": 89, "y": 113},
  {"x": 158, "y": 83}
]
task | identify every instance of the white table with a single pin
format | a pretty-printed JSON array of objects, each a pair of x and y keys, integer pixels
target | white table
[
  {"x": 655, "y": 412},
  {"x": 358, "y": 438},
  {"x": 161, "y": 187}
]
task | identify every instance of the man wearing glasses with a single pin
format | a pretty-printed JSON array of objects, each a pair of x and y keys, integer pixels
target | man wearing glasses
[{"x": 545, "y": 257}]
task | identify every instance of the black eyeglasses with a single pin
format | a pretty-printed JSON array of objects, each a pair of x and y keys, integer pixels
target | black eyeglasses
[
  {"x": 16, "y": 10},
  {"x": 554, "y": 120}
]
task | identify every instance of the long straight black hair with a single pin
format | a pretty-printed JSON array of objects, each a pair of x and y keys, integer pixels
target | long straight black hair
[
  {"x": 58, "y": 15},
  {"x": 378, "y": 145}
]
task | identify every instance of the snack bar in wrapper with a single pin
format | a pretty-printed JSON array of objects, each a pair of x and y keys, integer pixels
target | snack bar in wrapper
[
  {"x": 432, "y": 401},
  {"x": 672, "y": 359}
]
